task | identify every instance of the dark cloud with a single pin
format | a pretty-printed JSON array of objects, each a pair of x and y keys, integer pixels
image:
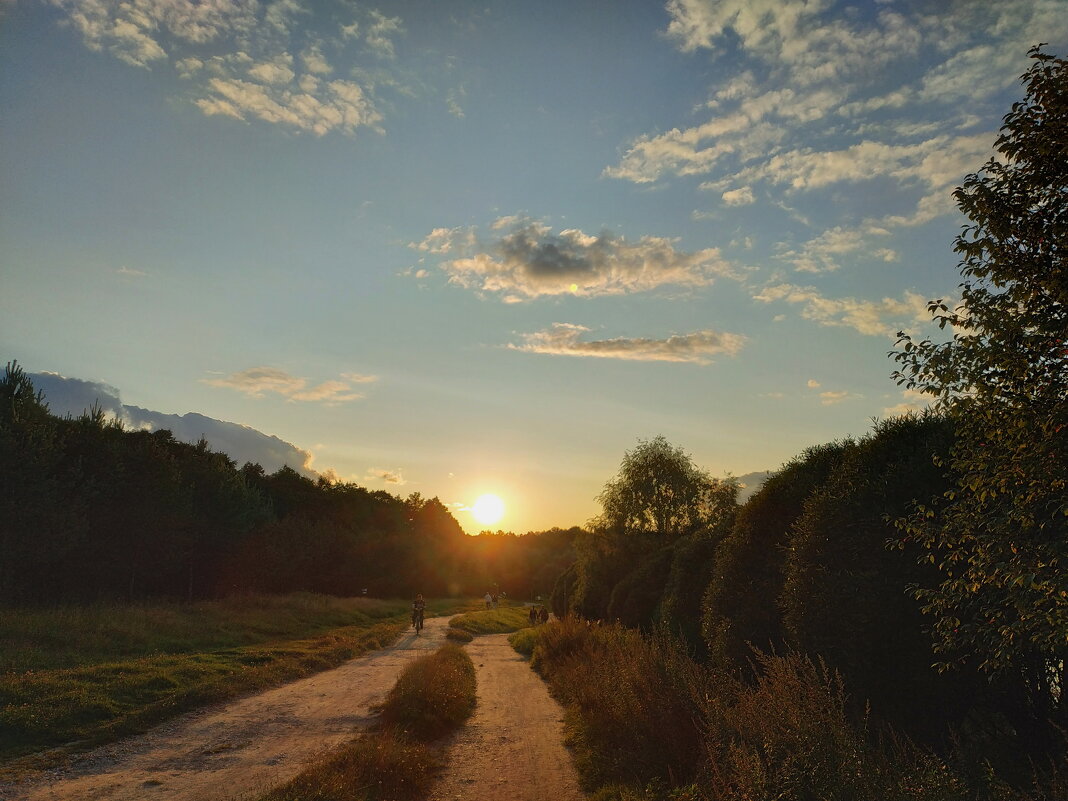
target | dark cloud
[{"x": 241, "y": 443}]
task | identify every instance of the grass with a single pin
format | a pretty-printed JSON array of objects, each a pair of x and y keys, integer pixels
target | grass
[
  {"x": 459, "y": 635},
  {"x": 375, "y": 767},
  {"x": 433, "y": 696},
  {"x": 502, "y": 620},
  {"x": 524, "y": 640},
  {"x": 121, "y": 670}
]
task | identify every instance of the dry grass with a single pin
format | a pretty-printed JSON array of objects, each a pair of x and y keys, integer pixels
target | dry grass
[
  {"x": 433, "y": 695},
  {"x": 376, "y": 767}
]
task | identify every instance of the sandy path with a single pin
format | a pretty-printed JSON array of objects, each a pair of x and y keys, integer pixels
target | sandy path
[
  {"x": 512, "y": 747},
  {"x": 242, "y": 747}
]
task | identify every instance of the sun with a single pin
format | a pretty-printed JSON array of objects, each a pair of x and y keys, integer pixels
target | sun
[{"x": 488, "y": 509}]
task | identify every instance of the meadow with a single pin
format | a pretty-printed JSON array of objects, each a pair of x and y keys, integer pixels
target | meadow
[{"x": 78, "y": 676}]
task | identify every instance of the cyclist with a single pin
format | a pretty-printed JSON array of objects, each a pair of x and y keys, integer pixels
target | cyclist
[{"x": 418, "y": 608}]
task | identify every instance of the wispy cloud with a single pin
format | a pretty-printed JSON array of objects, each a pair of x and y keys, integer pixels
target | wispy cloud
[
  {"x": 237, "y": 55},
  {"x": 876, "y": 318},
  {"x": 565, "y": 339},
  {"x": 394, "y": 477},
  {"x": 525, "y": 259},
  {"x": 257, "y": 382},
  {"x": 810, "y": 74}
]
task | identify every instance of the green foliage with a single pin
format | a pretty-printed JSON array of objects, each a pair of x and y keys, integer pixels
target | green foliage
[
  {"x": 433, "y": 695},
  {"x": 742, "y": 604},
  {"x": 636, "y": 597},
  {"x": 688, "y": 578},
  {"x": 659, "y": 490},
  {"x": 1000, "y": 539},
  {"x": 845, "y": 595}
]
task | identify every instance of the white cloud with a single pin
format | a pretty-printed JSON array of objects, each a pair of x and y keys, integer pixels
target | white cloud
[
  {"x": 813, "y": 383},
  {"x": 742, "y": 196},
  {"x": 832, "y": 397},
  {"x": 380, "y": 32},
  {"x": 911, "y": 401},
  {"x": 564, "y": 339},
  {"x": 248, "y": 72},
  {"x": 525, "y": 259},
  {"x": 822, "y": 253},
  {"x": 256, "y": 382},
  {"x": 875, "y": 318}
]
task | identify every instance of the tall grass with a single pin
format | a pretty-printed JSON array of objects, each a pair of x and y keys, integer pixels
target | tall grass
[
  {"x": 649, "y": 724},
  {"x": 71, "y": 636}
]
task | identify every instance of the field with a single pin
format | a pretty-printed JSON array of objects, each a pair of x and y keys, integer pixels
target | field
[{"x": 81, "y": 676}]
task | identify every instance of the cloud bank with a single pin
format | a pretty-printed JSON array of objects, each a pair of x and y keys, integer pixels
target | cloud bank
[
  {"x": 241, "y": 443},
  {"x": 524, "y": 259}
]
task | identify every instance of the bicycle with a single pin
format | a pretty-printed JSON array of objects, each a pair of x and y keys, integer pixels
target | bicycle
[{"x": 417, "y": 620}]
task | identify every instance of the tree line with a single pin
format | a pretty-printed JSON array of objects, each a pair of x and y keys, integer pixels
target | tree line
[{"x": 90, "y": 510}]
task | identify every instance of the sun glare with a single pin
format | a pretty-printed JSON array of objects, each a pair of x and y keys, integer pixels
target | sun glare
[{"x": 488, "y": 509}]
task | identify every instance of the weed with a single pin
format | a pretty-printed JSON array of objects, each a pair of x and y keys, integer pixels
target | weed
[{"x": 433, "y": 695}]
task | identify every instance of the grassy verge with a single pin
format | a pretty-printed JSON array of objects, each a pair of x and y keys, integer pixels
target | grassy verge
[
  {"x": 433, "y": 696},
  {"x": 136, "y": 666},
  {"x": 502, "y": 620}
]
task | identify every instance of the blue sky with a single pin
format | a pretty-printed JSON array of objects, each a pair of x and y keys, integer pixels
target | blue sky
[{"x": 455, "y": 248}]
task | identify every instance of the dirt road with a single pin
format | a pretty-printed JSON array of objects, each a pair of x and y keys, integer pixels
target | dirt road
[
  {"x": 240, "y": 748},
  {"x": 510, "y": 749}
]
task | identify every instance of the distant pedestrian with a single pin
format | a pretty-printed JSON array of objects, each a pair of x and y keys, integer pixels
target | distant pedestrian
[
  {"x": 494, "y": 599},
  {"x": 488, "y": 599},
  {"x": 533, "y": 615},
  {"x": 543, "y": 616}
]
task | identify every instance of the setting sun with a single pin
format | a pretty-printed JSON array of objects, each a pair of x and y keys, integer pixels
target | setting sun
[{"x": 488, "y": 509}]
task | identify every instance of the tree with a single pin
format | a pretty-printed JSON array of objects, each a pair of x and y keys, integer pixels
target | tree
[
  {"x": 1000, "y": 537},
  {"x": 659, "y": 490}
]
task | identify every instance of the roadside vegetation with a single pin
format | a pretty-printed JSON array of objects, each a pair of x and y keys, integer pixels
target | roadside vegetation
[
  {"x": 96, "y": 674},
  {"x": 507, "y": 617},
  {"x": 433, "y": 696}
]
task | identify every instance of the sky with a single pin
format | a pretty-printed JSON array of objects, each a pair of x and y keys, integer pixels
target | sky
[{"x": 459, "y": 248}]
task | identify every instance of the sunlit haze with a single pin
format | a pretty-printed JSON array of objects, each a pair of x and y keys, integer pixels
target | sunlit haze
[{"x": 440, "y": 247}]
